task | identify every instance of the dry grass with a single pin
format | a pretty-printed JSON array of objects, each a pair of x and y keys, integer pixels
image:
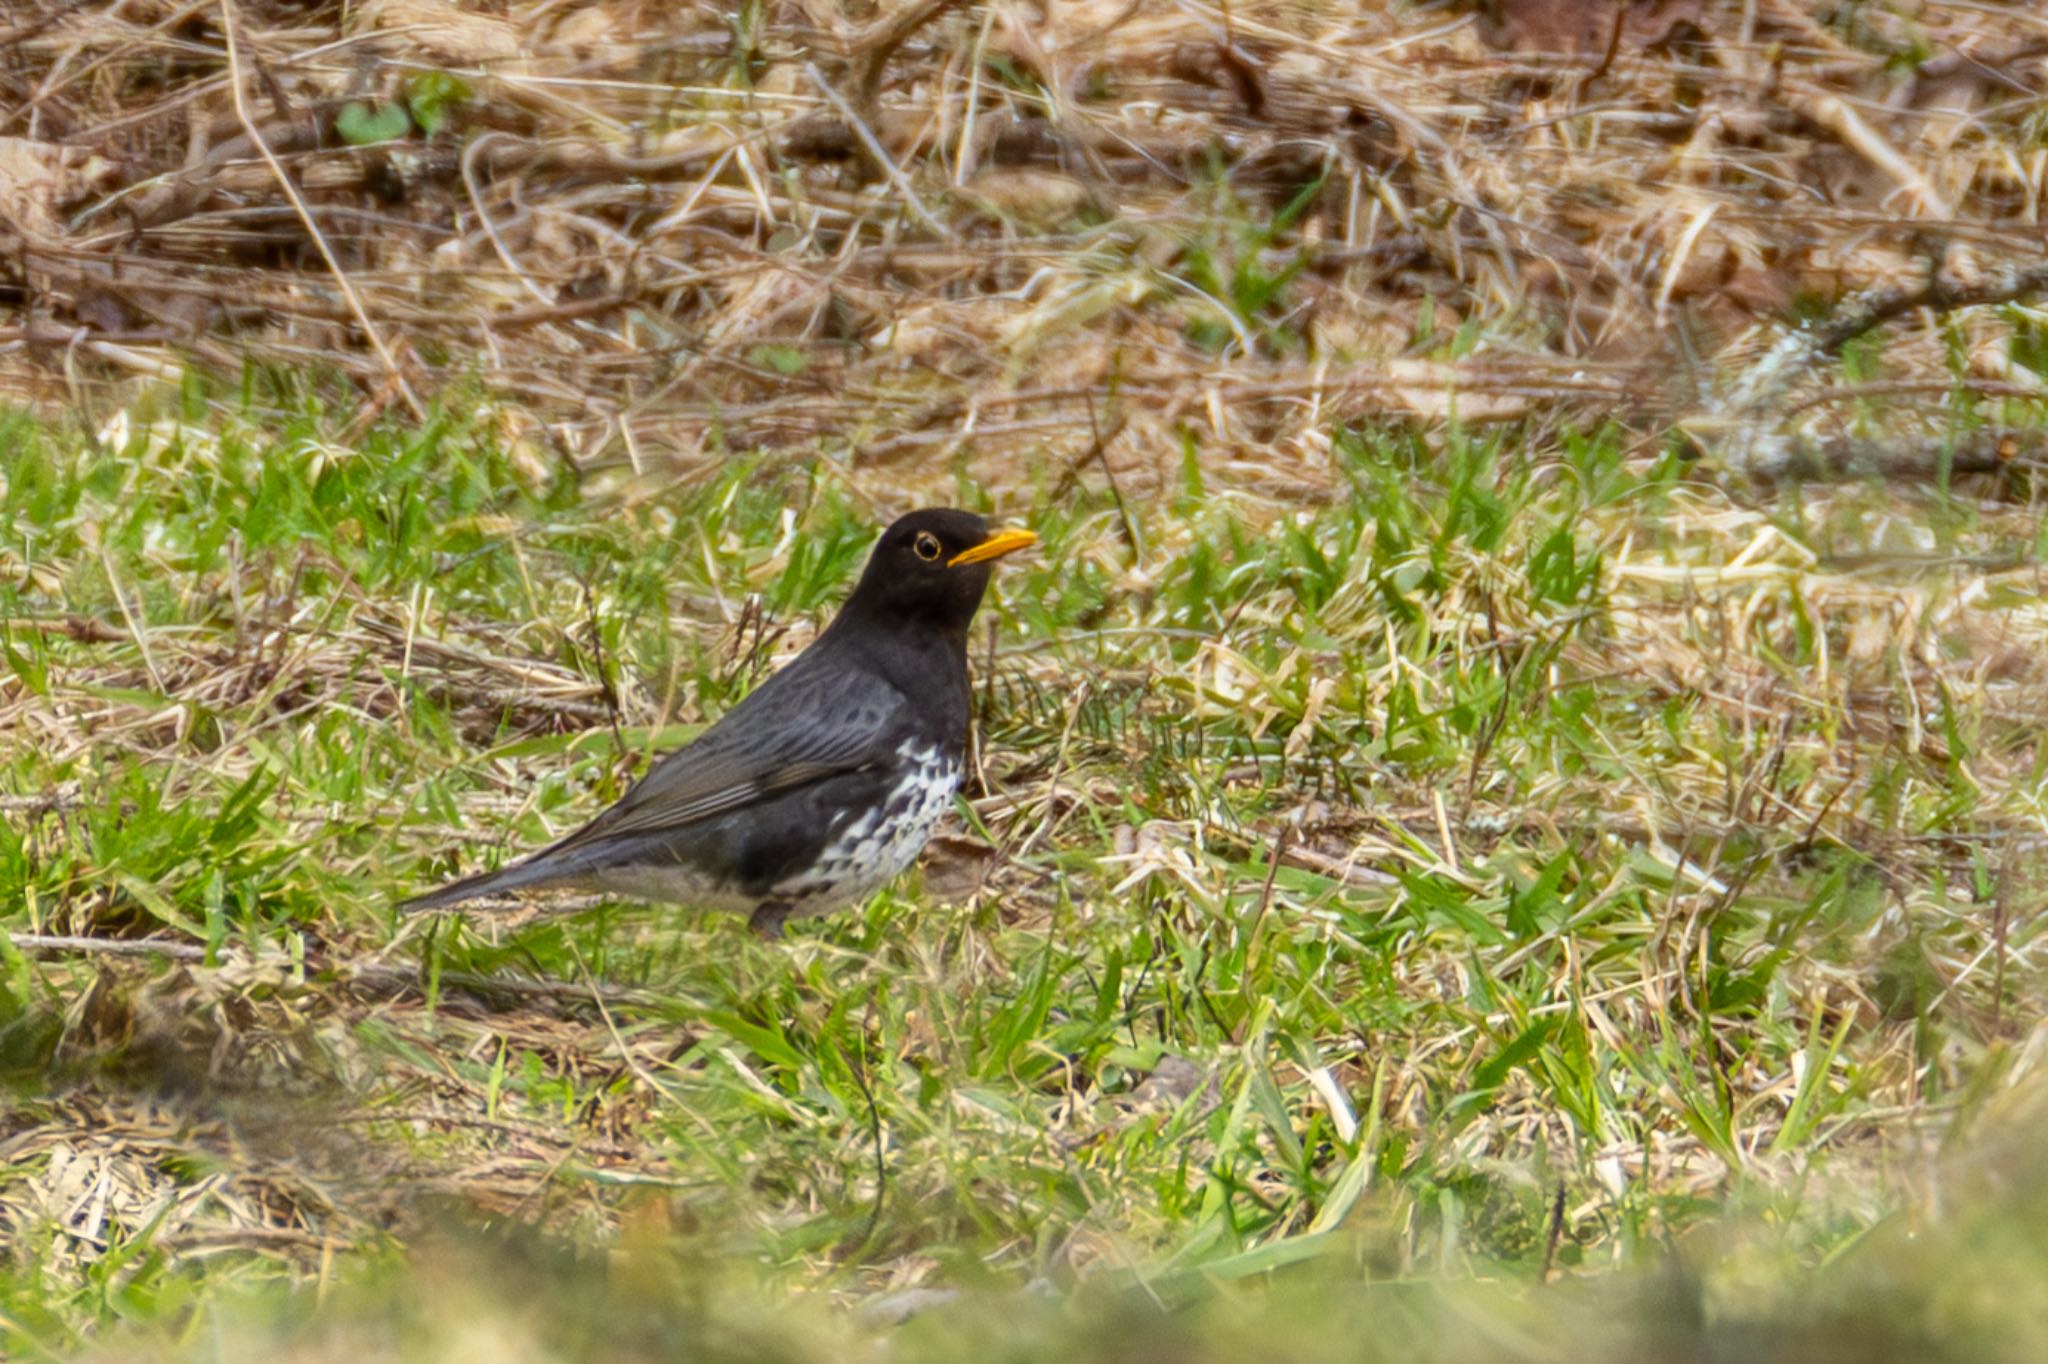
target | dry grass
[
  {"x": 1417, "y": 812},
  {"x": 1731, "y": 833},
  {"x": 670, "y": 232}
]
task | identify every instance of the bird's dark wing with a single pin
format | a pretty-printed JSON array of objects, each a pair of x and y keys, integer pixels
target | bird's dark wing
[{"x": 787, "y": 733}]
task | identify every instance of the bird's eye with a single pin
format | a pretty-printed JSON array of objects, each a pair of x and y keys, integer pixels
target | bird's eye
[{"x": 927, "y": 545}]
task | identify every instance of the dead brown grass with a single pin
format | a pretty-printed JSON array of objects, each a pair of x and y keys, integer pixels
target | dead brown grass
[{"x": 970, "y": 230}]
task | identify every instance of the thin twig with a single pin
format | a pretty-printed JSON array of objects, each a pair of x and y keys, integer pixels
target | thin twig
[
  {"x": 1941, "y": 387},
  {"x": 859, "y": 1071},
  {"x": 1747, "y": 423},
  {"x": 483, "y": 217},
  {"x": 883, "y": 161},
  {"x": 878, "y": 44},
  {"x": 394, "y": 979},
  {"x": 1555, "y": 1236},
  {"x": 1273, "y": 864},
  {"x": 2008, "y": 285},
  {"x": 63, "y": 945}
]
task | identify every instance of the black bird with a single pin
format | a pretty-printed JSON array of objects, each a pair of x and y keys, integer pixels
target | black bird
[{"x": 824, "y": 783}]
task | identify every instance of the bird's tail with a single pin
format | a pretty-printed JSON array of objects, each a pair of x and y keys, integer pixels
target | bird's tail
[{"x": 470, "y": 888}]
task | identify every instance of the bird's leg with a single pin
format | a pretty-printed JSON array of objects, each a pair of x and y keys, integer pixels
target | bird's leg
[{"x": 766, "y": 920}]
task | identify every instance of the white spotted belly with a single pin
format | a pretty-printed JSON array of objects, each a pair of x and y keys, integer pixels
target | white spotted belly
[{"x": 873, "y": 848}]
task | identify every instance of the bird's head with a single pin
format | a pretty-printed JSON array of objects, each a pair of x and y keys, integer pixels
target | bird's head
[{"x": 931, "y": 567}]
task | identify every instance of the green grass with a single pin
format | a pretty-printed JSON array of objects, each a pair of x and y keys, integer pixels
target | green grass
[{"x": 1529, "y": 863}]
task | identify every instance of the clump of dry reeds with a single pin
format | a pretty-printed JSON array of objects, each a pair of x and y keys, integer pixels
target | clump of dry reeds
[{"x": 949, "y": 229}]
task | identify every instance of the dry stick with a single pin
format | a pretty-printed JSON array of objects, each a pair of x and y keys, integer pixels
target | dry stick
[
  {"x": 59, "y": 944},
  {"x": 483, "y": 216},
  {"x": 1556, "y": 1233},
  {"x": 1834, "y": 114},
  {"x": 1273, "y": 863},
  {"x": 56, "y": 334},
  {"x": 63, "y": 798},
  {"x": 879, "y": 43},
  {"x": 1606, "y": 63},
  {"x": 1806, "y": 347},
  {"x": 1979, "y": 452},
  {"x": 1097, "y": 452},
  {"x": 1898, "y": 388},
  {"x": 1747, "y": 405},
  {"x": 1100, "y": 449},
  {"x": 389, "y": 978},
  {"x": 84, "y": 629},
  {"x": 2001, "y": 905},
  {"x": 1250, "y": 89},
  {"x": 291, "y": 192},
  {"x": 2007, "y": 284}
]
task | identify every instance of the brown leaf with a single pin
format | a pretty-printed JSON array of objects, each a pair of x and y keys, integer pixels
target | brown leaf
[
  {"x": 36, "y": 179},
  {"x": 446, "y": 31},
  {"x": 956, "y": 867},
  {"x": 1033, "y": 198}
]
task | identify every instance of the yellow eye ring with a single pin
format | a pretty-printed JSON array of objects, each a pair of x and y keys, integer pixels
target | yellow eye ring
[{"x": 926, "y": 545}]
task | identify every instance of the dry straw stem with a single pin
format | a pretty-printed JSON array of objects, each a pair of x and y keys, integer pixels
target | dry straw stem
[{"x": 673, "y": 239}]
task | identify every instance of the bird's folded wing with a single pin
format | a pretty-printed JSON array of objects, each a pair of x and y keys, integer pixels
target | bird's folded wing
[{"x": 767, "y": 745}]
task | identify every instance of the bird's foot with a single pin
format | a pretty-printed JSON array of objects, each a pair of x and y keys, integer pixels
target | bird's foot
[{"x": 767, "y": 919}]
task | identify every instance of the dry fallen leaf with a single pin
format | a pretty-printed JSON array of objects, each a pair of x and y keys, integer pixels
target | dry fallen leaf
[
  {"x": 956, "y": 868},
  {"x": 1033, "y": 198},
  {"x": 444, "y": 31},
  {"x": 1430, "y": 390}
]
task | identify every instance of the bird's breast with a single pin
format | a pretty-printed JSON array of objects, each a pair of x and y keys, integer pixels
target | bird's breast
[{"x": 870, "y": 846}]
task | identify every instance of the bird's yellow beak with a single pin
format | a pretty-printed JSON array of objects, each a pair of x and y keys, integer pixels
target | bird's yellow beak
[{"x": 995, "y": 547}]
